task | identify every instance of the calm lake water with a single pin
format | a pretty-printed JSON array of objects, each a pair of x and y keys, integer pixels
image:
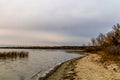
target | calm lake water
[{"x": 35, "y": 65}]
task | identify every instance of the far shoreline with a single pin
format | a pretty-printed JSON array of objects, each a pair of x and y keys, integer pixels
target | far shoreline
[{"x": 45, "y": 47}]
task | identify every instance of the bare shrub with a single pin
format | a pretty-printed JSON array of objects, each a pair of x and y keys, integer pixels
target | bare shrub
[{"x": 113, "y": 50}]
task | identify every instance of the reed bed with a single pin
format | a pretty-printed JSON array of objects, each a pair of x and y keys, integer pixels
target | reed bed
[{"x": 11, "y": 54}]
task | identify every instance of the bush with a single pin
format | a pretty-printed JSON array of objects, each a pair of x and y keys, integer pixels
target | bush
[
  {"x": 107, "y": 57},
  {"x": 113, "y": 50},
  {"x": 111, "y": 53},
  {"x": 92, "y": 49}
]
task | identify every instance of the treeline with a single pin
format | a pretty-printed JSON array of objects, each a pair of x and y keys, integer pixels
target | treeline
[
  {"x": 45, "y": 47},
  {"x": 109, "y": 43},
  {"x": 110, "y": 39}
]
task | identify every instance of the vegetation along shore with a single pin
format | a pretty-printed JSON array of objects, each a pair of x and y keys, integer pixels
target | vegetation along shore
[
  {"x": 102, "y": 64},
  {"x": 13, "y": 54}
]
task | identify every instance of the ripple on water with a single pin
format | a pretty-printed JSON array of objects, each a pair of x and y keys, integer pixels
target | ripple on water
[{"x": 37, "y": 63}]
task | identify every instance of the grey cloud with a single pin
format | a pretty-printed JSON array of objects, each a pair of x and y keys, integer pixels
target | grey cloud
[{"x": 69, "y": 19}]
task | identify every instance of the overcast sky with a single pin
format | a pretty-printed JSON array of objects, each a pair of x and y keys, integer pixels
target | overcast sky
[{"x": 55, "y": 22}]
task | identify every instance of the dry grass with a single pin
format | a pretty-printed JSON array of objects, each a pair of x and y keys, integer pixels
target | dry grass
[
  {"x": 108, "y": 57},
  {"x": 11, "y": 54}
]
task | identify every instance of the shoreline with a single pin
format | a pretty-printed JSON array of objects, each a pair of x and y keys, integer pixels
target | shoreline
[
  {"x": 54, "y": 70},
  {"x": 81, "y": 68}
]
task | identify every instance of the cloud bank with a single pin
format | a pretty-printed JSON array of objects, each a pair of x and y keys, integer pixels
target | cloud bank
[{"x": 55, "y": 22}]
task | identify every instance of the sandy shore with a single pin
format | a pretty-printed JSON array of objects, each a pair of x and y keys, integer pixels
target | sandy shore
[{"x": 87, "y": 68}]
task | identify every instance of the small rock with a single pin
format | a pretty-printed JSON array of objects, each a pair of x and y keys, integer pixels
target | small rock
[
  {"x": 113, "y": 67},
  {"x": 70, "y": 72}
]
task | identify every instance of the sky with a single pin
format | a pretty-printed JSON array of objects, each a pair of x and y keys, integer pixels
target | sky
[{"x": 55, "y": 22}]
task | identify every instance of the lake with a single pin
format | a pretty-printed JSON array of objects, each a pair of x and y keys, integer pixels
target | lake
[{"x": 35, "y": 65}]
